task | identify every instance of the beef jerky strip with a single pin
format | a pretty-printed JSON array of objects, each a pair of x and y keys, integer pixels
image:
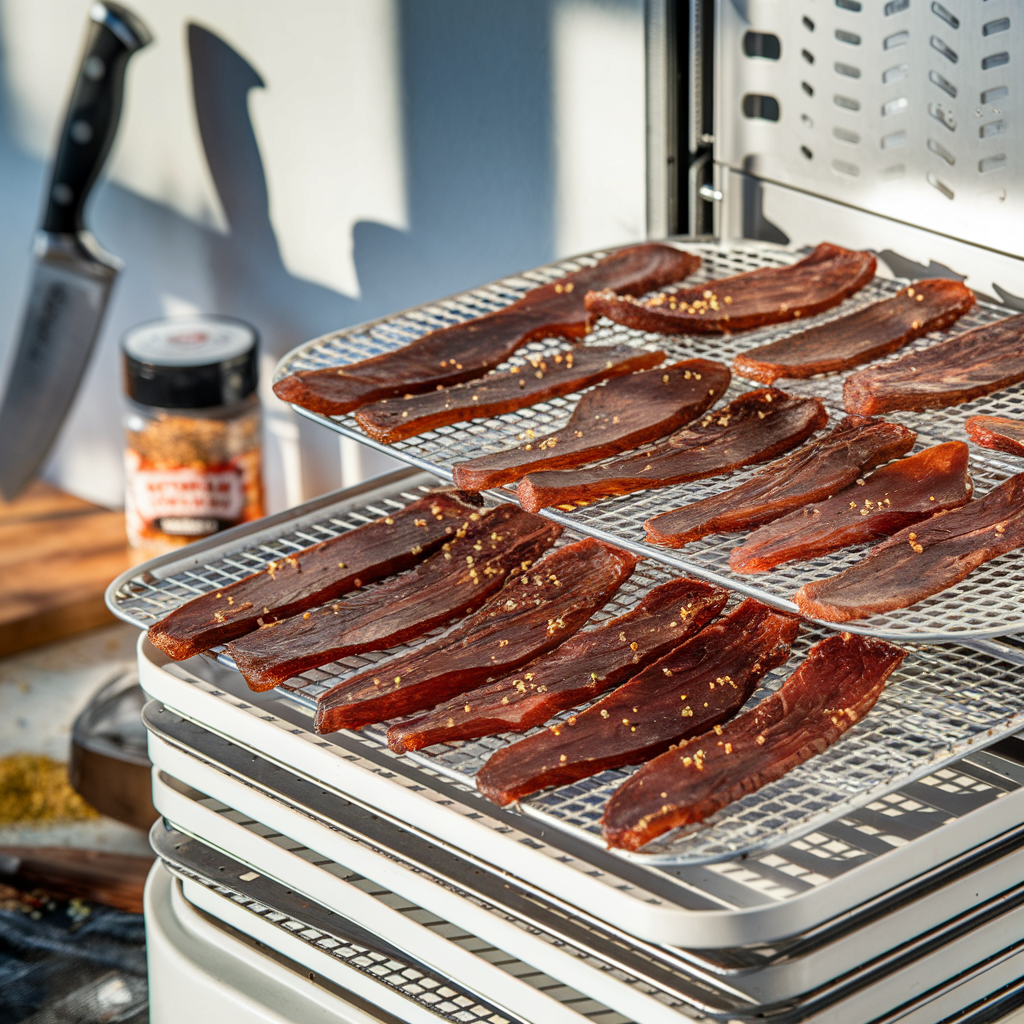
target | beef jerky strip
[
  {"x": 997, "y": 432},
  {"x": 754, "y": 427},
  {"x": 835, "y": 687},
  {"x": 470, "y": 567},
  {"x": 311, "y": 576},
  {"x": 895, "y": 496},
  {"x": 700, "y": 684},
  {"x": 759, "y": 297},
  {"x": 922, "y": 559},
  {"x": 540, "y": 378},
  {"x": 467, "y": 350},
  {"x": 620, "y": 415},
  {"x": 584, "y": 667},
  {"x": 870, "y": 333},
  {"x": 530, "y": 615},
  {"x": 817, "y": 470},
  {"x": 951, "y": 372}
]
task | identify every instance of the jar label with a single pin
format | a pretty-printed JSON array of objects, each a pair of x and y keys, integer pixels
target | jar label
[{"x": 187, "y": 501}]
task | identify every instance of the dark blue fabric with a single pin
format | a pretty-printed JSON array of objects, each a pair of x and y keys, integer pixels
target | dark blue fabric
[{"x": 49, "y": 953}]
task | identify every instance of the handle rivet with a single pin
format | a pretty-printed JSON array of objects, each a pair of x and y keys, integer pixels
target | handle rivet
[
  {"x": 81, "y": 132},
  {"x": 94, "y": 69},
  {"x": 62, "y": 194}
]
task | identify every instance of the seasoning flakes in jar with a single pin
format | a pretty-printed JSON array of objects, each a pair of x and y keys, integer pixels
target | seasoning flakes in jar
[{"x": 192, "y": 431}]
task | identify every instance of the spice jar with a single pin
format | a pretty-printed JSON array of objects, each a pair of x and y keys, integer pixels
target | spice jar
[{"x": 192, "y": 426}]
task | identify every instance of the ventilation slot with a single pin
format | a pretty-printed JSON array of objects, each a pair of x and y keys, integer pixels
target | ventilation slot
[
  {"x": 895, "y": 6},
  {"x": 807, "y": 56},
  {"x": 943, "y": 116},
  {"x": 845, "y": 169},
  {"x": 897, "y": 106},
  {"x": 896, "y": 73},
  {"x": 997, "y": 60},
  {"x": 896, "y": 171},
  {"x": 947, "y": 16},
  {"x": 896, "y": 39},
  {"x": 986, "y": 131},
  {"x": 992, "y": 163},
  {"x": 806, "y": 152},
  {"x": 807, "y": 121},
  {"x": 846, "y": 136},
  {"x": 848, "y": 37},
  {"x": 991, "y": 95},
  {"x": 847, "y": 102},
  {"x": 808, "y": 24},
  {"x": 995, "y": 26},
  {"x": 943, "y": 83},
  {"x": 807, "y": 88},
  {"x": 762, "y": 44},
  {"x": 895, "y": 140},
  {"x": 849, "y": 5},
  {"x": 765, "y": 108},
  {"x": 847, "y": 70},
  {"x": 939, "y": 150},
  {"x": 948, "y": 52},
  {"x": 940, "y": 185}
]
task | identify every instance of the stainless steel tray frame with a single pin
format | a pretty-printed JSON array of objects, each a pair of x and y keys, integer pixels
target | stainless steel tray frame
[
  {"x": 982, "y": 605},
  {"x": 941, "y": 703},
  {"x": 818, "y": 967},
  {"x": 993, "y": 927},
  {"x": 357, "y": 947},
  {"x": 881, "y": 852}
]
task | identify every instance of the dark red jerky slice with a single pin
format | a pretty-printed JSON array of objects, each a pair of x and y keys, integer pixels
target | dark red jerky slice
[
  {"x": 583, "y": 667},
  {"x": 530, "y": 615},
  {"x": 311, "y": 576},
  {"x": 754, "y": 427},
  {"x": 923, "y": 559},
  {"x": 541, "y": 378},
  {"x": 702, "y": 683},
  {"x": 835, "y": 687},
  {"x": 470, "y": 349},
  {"x": 470, "y": 567},
  {"x": 815, "y": 471},
  {"x": 620, "y": 415},
  {"x": 870, "y": 333},
  {"x": 997, "y": 432},
  {"x": 893, "y": 497},
  {"x": 767, "y": 296},
  {"x": 950, "y": 372}
]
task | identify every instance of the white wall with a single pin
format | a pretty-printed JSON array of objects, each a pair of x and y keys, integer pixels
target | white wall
[{"x": 311, "y": 165}]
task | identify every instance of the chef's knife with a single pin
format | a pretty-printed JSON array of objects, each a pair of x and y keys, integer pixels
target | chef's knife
[{"x": 73, "y": 275}]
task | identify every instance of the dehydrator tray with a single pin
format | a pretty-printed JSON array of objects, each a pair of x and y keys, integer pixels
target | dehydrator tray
[
  {"x": 943, "y": 702},
  {"x": 358, "y": 954},
  {"x": 990, "y": 602},
  {"x": 818, "y": 966}
]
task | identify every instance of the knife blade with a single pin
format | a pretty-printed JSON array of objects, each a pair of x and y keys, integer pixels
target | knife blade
[{"x": 72, "y": 276}]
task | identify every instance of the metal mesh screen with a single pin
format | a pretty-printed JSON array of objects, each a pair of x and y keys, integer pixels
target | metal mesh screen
[
  {"x": 942, "y": 702},
  {"x": 987, "y": 603}
]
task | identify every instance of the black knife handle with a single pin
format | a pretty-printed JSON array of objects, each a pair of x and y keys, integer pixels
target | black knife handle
[{"x": 93, "y": 113}]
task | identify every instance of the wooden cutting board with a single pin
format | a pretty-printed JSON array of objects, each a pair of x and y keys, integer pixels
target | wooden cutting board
[{"x": 57, "y": 555}]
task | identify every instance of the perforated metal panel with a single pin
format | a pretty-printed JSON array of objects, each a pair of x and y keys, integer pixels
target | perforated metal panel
[
  {"x": 986, "y": 604},
  {"x": 906, "y": 108}
]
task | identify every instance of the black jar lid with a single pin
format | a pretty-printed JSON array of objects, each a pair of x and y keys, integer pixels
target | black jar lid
[{"x": 190, "y": 362}]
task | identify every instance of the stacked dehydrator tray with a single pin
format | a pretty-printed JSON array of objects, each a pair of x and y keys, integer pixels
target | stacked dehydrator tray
[{"x": 310, "y": 877}]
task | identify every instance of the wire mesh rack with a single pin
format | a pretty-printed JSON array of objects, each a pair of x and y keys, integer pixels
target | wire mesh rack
[
  {"x": 941, "y": 703},
  {"x": 987, "y": 603}
]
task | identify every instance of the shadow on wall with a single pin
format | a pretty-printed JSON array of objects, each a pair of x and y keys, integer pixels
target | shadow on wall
[{"x": 477, "y": 134}]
